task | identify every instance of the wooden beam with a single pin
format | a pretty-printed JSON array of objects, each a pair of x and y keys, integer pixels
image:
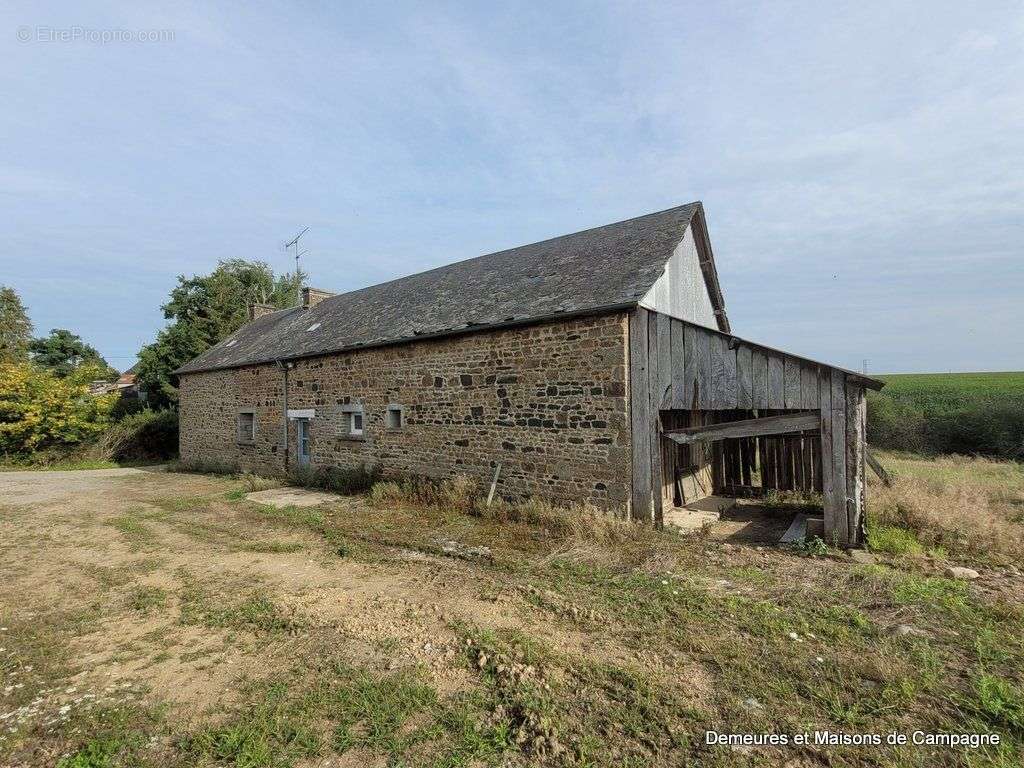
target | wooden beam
[
  {"x": 877, "y": 468},
  {"x": 840, "y": 534},
  {"x": 640, "y": 504},
  {"x": 768, "y": 425}
]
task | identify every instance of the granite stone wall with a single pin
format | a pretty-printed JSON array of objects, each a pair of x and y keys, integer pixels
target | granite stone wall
[{"x": 548, "y": 401}]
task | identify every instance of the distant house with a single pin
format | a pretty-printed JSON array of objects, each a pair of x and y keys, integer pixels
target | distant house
[
  {"x": 596, "y": 367},
  {"x": 127, "y": 384}
]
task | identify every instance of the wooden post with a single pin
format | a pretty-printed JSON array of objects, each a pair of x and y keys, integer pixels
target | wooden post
[
  {"x": 828, "y": 497},
  {"x": 640, "y": 501},
  {"x": 856, "y": 409},
  {"x": 494, "y": 484},
  {"x": 840, "y": 531}
]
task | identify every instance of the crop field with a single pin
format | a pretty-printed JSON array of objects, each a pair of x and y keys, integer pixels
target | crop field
[{"x": 939, "y": 387}]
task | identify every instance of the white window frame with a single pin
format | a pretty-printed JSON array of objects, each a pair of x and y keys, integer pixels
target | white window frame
[
  {"x": 241, "y": 438},
  {"x": 348, "y": 428}
]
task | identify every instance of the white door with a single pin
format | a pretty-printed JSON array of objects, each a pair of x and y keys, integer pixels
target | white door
[{"x": 302, "y": 438}]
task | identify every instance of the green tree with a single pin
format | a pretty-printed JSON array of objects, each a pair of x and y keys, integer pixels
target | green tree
[
  {"x": 63, "y": 352},
  {"x": 40, "y": 410},
  {"x": 15, "y": 327},
  {"x": 203, "y": 310}
]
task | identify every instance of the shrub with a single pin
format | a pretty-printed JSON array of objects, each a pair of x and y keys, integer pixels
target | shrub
[
  {"x": 141, "y": 436},
  {"x": 893, "y": 424},
  {"x": 959, "y": 413},
  {"x": 343, "y": 480},
  {"x": 457, "y": 494},
  {"x": 40, "y": 411}
]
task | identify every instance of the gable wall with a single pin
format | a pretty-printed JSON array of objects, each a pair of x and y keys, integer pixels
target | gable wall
[
  {"x": 681, "y": 291},
  {"x": 547, "y": 401}
]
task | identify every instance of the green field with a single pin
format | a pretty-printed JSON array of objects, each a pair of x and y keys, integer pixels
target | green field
[
  {"x": 955, "y": 385},
  {"x": 972, "y": 413}
]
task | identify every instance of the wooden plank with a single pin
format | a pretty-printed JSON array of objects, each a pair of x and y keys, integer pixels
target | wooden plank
[
  {"x": 744, "y": 378},
  {"x": 877, "y": 468},
  {"x": 731, "y": 385},
  {"x": 759, "y": 379},
  {"x": 829, "y": 504},
  {"x": 640, "y": 500},
  {"x": 690, "y": 365},
  {"x": 809, "y": 386},
  {"x": 703, "y": 369},
  {"x": 776, "y": 383},
  {"x": 854, "y": 463},
  {"x": 678, "y": 356},
  {"x": 655, "y": 394},
  {"x": 841, "y": 531},
  {"x": 718, "y": 350},
  {"x": 766, "y": 425},
  {"x": 663, "y": 400},
  {"x": 793, "y": 383}
]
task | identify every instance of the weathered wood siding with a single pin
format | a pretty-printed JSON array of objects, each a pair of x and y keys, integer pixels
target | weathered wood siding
[{"x": 683, "y": 374}]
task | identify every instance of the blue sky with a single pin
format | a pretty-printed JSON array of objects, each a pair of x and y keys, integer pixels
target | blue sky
[{"x": 862, "y": 167}]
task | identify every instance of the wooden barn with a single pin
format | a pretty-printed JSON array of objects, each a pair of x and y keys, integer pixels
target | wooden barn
[{"x": 715, "y": 414}]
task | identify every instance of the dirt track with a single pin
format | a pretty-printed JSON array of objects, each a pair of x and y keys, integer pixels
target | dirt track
[{"x": 74, "y": 539}]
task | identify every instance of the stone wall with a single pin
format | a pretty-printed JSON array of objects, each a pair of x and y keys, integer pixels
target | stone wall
[{"x": 548, "y": 401}]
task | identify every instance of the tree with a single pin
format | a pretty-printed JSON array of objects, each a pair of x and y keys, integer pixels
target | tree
[
  {"x": 15, "y": 327},
  {"x": 203, "y": 310},
  {"x": 63, "y": 351},
  {"x": 39, "y": 409}
]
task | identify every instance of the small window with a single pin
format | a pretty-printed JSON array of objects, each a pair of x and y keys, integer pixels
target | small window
[
  {"x": 247, "y": 427},
  {"x": 352, "y": 425},
  {"x": 396, "y": 417}
]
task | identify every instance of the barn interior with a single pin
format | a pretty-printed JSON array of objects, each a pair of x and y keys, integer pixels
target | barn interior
[{"x": 723, "y": 423}]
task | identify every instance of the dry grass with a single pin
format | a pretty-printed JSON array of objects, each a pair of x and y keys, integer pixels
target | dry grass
[{"x": 968, "y": 507}]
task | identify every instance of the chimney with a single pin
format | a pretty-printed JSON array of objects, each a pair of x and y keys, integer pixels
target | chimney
[
  {"x": 312, "y": 296},
  {"x": 259, "y": 310}
]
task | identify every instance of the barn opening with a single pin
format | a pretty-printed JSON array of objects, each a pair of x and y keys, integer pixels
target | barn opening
[{"x": 728, "y": 418}]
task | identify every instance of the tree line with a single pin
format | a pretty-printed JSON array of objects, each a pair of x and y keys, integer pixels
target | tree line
[{"x": 47, "y": 392}]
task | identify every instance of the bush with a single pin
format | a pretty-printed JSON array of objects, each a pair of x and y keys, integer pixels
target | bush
[
  {"x": 40, "y": 411},
  {"x": 457, "y": 494},
  {"x": 925, "y": 422},
  {"x": 143, "y": 436},
  {"x": 343, "y": 480},
  {"x": 894, "y": 424}
]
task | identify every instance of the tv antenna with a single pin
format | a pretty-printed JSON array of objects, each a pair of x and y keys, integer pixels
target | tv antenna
[{"x": 298, "y": 281}]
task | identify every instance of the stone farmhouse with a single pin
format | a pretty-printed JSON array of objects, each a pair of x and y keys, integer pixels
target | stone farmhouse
[{"x": 596, "y": 367}]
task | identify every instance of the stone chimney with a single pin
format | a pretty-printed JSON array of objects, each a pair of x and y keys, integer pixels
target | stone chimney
[
  {"x": 259, "y": 310},
  {"x": 312, "y": 296}
]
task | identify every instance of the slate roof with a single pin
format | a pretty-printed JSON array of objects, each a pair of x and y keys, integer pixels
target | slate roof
[{"x": 603, "y": 269}]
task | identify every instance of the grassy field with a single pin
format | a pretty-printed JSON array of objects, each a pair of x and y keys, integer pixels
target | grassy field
[
  {"x": 165, "y": 620},
  {"x": 943, "y": 413}
]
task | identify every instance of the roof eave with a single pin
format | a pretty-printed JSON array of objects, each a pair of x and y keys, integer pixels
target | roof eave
[{"x": 444, "y": 333}]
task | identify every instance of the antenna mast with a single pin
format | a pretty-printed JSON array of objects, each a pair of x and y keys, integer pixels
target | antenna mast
[{"x": 298, "y": 281}]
